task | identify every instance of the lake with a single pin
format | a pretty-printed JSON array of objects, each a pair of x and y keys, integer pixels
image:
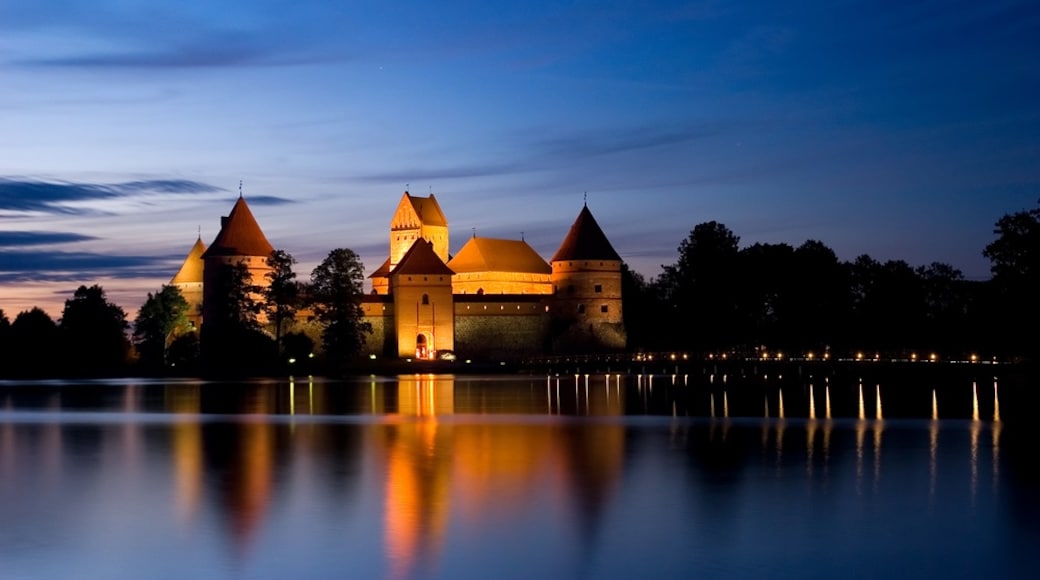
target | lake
[{"x": 441, "y": 476}]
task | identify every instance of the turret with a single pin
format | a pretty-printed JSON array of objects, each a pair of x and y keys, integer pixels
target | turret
[
  {"x": 189, "y": 281},
  {"x": 586, "y": 278},
  {"x": 240, "y": 240}
]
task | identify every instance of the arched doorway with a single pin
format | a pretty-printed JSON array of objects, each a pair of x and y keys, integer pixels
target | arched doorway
[{"x": 421, "y": 350}]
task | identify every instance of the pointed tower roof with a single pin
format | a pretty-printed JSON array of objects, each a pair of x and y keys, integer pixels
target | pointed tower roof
[
  {"x": 191, "y": 269},
  {"x": 496, "y": 255},
  {"x": 585, "y": 241},
  {"x": 239, "y": 235},
  {"x": 421, "y": 260},
  {"x": 426, "y": 209}
]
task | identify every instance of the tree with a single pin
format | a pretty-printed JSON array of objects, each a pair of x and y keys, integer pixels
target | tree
[
  {"x": 282, "y": 294},
  {"x": 232, "y": 340},
  {"x": 1015, "y": 263},
  {"x": 700, "y": 288},
  {"x": 5, "y": 340},
  {"x": 94, "y": 331},
  {"x": 33, "y": 338},
  {"x": 238, "y": 307},
  {"x": 162, "y": 316},
  {"x": 336, "y": 290}
]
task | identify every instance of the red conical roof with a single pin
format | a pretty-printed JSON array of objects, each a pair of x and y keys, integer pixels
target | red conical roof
[
  {"x": 585, "y": 241},
  {"x": 240, "y": 235}
]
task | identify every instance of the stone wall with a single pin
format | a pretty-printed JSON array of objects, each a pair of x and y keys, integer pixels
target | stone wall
[{"x": 500, "y": 329}]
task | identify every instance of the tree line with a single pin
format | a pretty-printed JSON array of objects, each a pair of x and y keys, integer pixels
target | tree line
[
  {"x": 93, "y": 337},
  {"x": 718, "y": 297}
]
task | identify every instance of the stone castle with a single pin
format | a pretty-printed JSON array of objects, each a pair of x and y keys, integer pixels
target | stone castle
[{"x": 493, "y": 298}]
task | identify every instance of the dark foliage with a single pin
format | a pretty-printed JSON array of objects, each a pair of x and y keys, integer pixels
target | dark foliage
[
  {"x": 161, "y": 318},
  {"x": 336, "y": 290},
  {"x": 93, "y": 333},
  {"x": 282, "y": 294}
]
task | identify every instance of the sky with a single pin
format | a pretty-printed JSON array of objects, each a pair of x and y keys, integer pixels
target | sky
[{"x": 902, "y": 130}]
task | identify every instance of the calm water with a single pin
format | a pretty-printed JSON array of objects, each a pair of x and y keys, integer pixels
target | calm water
[{"x": 462, "y": 477}]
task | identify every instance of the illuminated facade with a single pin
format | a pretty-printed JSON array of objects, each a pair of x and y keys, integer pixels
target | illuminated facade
[{"x": 495, "y": 297}]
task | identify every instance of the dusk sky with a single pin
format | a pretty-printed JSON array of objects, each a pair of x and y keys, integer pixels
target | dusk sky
[{"x": 902, "y": 130}]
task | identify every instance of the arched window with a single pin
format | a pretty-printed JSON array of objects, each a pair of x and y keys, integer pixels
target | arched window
[{"x": 425, "y": 299}]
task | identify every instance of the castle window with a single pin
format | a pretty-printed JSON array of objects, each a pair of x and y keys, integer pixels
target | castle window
[
  {"x": 570, "y": 288},
  {"x": 603, "y": 308},
  {"x": 480, "y": 291},
  {"x": 581, "y": 309},
  {"x": 599, "y": 288},
  {"x": 425, "y": 299}
]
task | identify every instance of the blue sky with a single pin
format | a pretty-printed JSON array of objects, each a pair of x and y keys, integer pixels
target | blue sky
[{"x": 903, "y": 130}]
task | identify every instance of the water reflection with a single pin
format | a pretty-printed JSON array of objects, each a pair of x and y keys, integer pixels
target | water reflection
[{"x": 423, "y": 475}]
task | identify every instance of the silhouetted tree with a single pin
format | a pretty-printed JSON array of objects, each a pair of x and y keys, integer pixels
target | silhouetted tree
[
  {"x": 820, "y": 301},
  {"x": 5, "y": 341},
  {"x": 946, "y": 304},
  {"x": 94, "y": 332},
  {"x": 1015, "y": 262},
  {"x": 889, "y": 305},
  {"x": 232, "y": 339},
  {"x": 281, "y": 296},
  {"x": 336, "y": 290},
  {"x": 764, "y": 315},
  {"x": 162, "y": 316},
  {"x": 642, "y": 311},
  {"x": 34, "y": 344},
  {"x": 700, "y": 288}
]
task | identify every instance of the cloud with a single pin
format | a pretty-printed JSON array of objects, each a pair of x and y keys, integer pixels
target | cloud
[
  {"x": 21, "y": 239},
  {"x": 560, "y": 150},
  {"x": 269, "y": 200},
  {"x": 595, "y": 143},
  {"x": 215, "y": 54},
  {"x": 33, "y": 266},
  {"x": 430, "y": 173},
  {"x": 19, "y": 195}
]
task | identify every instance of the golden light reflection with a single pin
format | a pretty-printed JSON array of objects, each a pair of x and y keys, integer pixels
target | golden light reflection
[
  {"x": 436, "y": 467},
  {"x": 877, "y": 410},
  {"x": 812, "y": 404},
  {"x": 188, "y": 468},
  {"x": 974, "y": 402},
  {"x": 996, "y": 404}
]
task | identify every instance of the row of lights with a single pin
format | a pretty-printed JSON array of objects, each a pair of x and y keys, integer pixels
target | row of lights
[{"x": 766, "y": 355}]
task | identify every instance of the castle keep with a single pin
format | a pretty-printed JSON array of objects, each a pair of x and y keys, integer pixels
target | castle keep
[{"x": 493, "y": 298}]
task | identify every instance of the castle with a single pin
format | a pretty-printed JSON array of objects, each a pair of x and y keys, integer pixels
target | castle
[{"x": 493, "y": 298}]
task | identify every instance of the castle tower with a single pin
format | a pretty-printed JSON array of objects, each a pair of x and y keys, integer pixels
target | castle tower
[
  {"x": 423, "y": 303},
  {"x": 189, "y": 281},
  {"x": 240, "y": 240},
  {"x": 586, "y": 278},
  {"x": 416, "y": 218}
]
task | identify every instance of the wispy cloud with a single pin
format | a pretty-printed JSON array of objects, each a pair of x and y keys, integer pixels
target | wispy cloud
[
  {"x": 599, "y": 142},
  {"x": 269, "y": 200},
  {"x": 22, "y": 239},
  {"x": 212, "y": 53},
  {"x": 421, "y": 174},
  {"x": 33, "y": 266},
  {"x": 25, "y": 196}
]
